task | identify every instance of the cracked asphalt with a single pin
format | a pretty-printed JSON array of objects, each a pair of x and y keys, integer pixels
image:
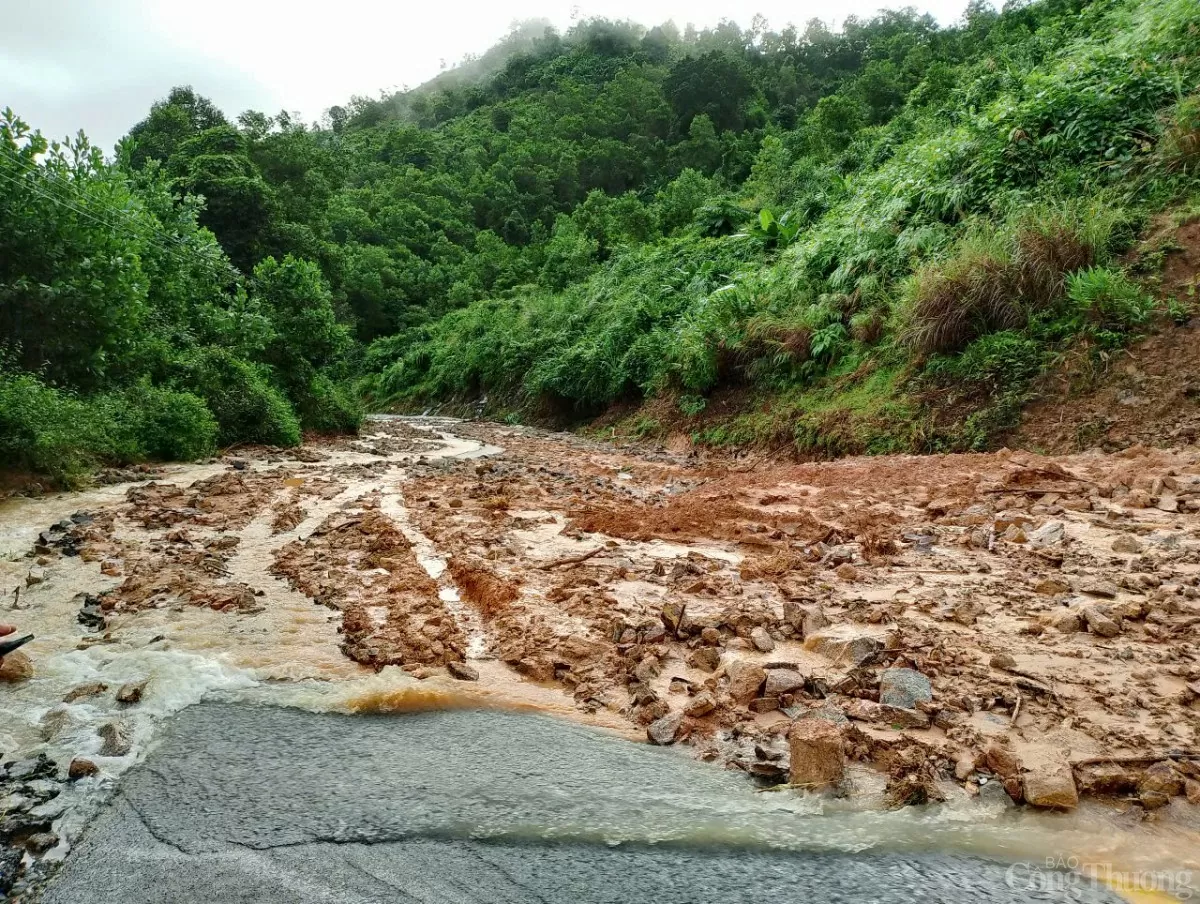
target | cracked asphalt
[{"x": 243, "y": 803}]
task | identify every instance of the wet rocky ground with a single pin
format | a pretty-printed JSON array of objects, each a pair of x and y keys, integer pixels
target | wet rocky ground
[{"x": 902, "y": 630}]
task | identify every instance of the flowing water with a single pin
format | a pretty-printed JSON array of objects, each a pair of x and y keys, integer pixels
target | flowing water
[{"x": 297, "y": 745}]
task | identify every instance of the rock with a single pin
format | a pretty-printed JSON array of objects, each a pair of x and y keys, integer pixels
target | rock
[
  {"x": 1104, "y": 778},
  {"x": 844, "y": 644},
  {"x": 1005, "y": 764},
  {"x": 91, "y": 612},
  {"x": 462, "y": 671},
  {"x": 1191, "y": 788},
  {"x": 966, "y": 612},
  {"x": 40, "y": 842},
  {"x": 1002, "y": 661},
  {"x": 664, "y": 731},
  {"x": 16, "y": 667},
  {"x": 27, "y": 823},
  {"x": 1106, "y": 589},
  {"x": 1049, "y": 534},
  {"x": 535, "y": 668},
  {"x": 764, "y": 704},
  {"x": 1052, "y": 587},
  {"x": 762, "y": 640},
  {"x": 710, "y": 637},
  {"x": 1127, "y": 544},
  {"x": 745, "y": 678},
  {"x": 82, "y": 691},
  {"x": 37, "y": 575},
  {"x": 964, "y": 767},
  {"x": 10, "y": 867},
  {"x": 131, "y": 691},
  {"x": 648, "y": 669},
  {"x": 1068, "y": 621},
  {"x": 706, "y": 659},
  {"x": 1014, "y": 533},
  {"x": 578, "y": 648},
  {"x": 651, "y": 711},
  {"x": 1153, "y": 800},
  {"x": 81, "y": 767},
  {"x": 839, "y": 554},
  {"x": 111, "y": 567},
  {"x": 1161, "y": 778},
  {"x": 1051, "y": 785},
  {"x": 782, "y": 681},
  {"x": 893, "y": 716},
  {"x": 701, "y": 705},
  {"x": 1099, "y": 623},
  {"x": 1168, "y": 502},
  {"x": 118, "y": 740},
  {"x": 818, "y": 756},
  {"x": 814, "y": 621},
  {"x": 672, "y": 617},
  {"x": 904, "y": 688}
]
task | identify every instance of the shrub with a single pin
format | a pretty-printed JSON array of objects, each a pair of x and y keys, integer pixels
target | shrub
[
  {"x": 327, "y": 408},
  {"x": 247, "y": 407},
  {"x": 49, "y": 431},
  {"x": 968, "y": 296},
  {"x": 169, "y": 425},
  {"x": 1179, "y": 150},
  {"x": 1109, "y": 300}
]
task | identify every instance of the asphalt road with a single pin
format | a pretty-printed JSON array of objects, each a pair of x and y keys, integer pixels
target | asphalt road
[{"x": 261, "y": 804}]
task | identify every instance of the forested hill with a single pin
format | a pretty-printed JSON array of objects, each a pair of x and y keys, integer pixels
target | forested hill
[{"x": 837, "y": 226}]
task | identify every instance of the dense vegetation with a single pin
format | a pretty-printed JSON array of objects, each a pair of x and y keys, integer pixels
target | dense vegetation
[{"x": 847, "y": 224}]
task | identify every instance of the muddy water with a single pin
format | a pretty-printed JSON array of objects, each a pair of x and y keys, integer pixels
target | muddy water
[{"x": 286, "y": 654}]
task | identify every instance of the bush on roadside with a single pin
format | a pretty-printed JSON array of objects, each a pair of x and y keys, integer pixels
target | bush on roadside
[
  {"x": 247, "y": 407},
  {"x": 169, "y": 425},
  {"x": 52, "y": 432}
]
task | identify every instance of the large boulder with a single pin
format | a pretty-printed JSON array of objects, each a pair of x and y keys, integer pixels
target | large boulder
[
  {"x": 1105, "y": 778},
  {"x": 805, "y": 620},
  {"x": 818, "y": 755},
  {"x": 1051, "y": 784},
  {"x": 763, "y": 642},
  {"x": 132, "y": 691},
  {"x": 118, "y": 738},
  {"x": 1006, "y": 765},
  {"x": 1100, "y": 623},
  {"x": 782, "y": 681},
  {"x": 846, "y": 645},
  {"x": 1065, "y": 620},
  {"x": 1049, "y": 534},
  {"x": 882, "y": 713},
  {"x": 16, "y": 667},
  {"x": 664, "y": 731},
  {"x": 706, "y": 659},
  {"x": 904, "y": 688},
  {"x": 745, "y": 678}
]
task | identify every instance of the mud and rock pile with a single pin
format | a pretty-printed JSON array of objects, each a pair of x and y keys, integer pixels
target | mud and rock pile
[
  {"x": 907, "y": 629},
  {"x": 359, "y": 563}
]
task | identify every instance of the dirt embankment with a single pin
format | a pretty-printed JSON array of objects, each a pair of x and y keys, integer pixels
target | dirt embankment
[{"x": 1148, "y": 393}]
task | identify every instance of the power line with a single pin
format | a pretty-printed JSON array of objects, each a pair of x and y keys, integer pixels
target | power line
[
  {"x": 77, "y": 190},
  {"x": 151, "y": 234},
  {"x": 154, "y": 236}
]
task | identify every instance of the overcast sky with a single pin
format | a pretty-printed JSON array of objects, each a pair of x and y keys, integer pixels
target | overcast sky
[{"x": 99, "y": 64}]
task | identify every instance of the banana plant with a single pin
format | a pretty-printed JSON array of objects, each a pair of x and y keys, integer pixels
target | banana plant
[{"x": 772, "y": 232}]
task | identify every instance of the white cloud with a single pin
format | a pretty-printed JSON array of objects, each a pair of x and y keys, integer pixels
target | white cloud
[{"x": 99, "y": 64}]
